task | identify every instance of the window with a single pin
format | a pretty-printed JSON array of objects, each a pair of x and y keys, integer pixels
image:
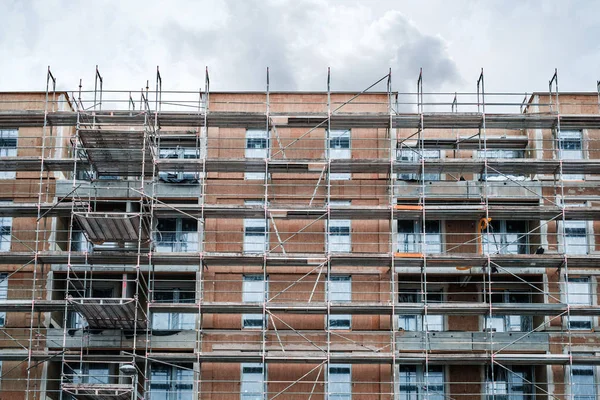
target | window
[
  {"x": 570, "y": 147},
  {"x": 255, "y": 232},
  {"x": 8, "y": 148},
  {"x": 509, "y": 383},
  {"x": 253, "y": 381},
  {"x": 505, "y": 237},
  {"x": 5, "y": 233},
  {"x": 3, "y": 296},
  {"x": 575, "y": 238},
  {"x": 257, "y": 146},
  {"x": 254, "y": 290},
  {"x": 340, "y": 290},
  {"x": 415, "y": 322},
  {"x": 338, "y": 240},
  {"x": 579, "y": 293},
  {"x": 509, "y": 323},
  {"x": 88, "y": 373},
  {"x": 339, "y": 236},
  {"x": 413, "y": 155},
  {"x": 169, "y": 382},
  {"x": 583, "y": 384},
  {"x": 410, "y": 237},
  {"x": 174, "y": 321},
  {"x": 339, "y": 149},
  {"x": 413, "y": 384},
  {"x": 177, "y": 235},
  {"x": 179, "y": 153},
  {"x": 340, "y": 382},
  {"x": 501, "y": 153}
]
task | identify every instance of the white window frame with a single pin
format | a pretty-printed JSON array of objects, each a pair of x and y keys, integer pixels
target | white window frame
[
  {"x": 502, "y": 242},
  {"x": 179, "y": 153},
  {"x": 339, "y": 288},
  {"x": 182, "y": 241},
  {"x": 411, "y": 242},
  {"x": 508, "y": 323},
  {"x": 583, "y": 370},
  {"x": 337, "y": 152},
  {"x": 251, "y": 380},
  {"x": 256, "y": 152},
  {"x": 5, "y": 231},
  {"x": 92, "y": 373},
  {"x": 414, "y": 322},
  {"x": 413, "y": 155},
  {"x": 165, "y": 292},
  {"x": 251, "y": 243},
  {"x": 579, "y": 291},
  {"x": 415, "y": 380},
  {"x": 339, "y": 242},
  {"x": 339, "y": 382},
  {"x": 503, "y": 389},
  {"x": 3, "y": 295},
  {"x": 255, "y": 289},
  {"x": 569, "y": 243},
  {"x": 515, "y": 154},
  {"x": 7, "y": 136},
  {"x": 173, "y": 387},
  {"x": 570, "y": 154}
]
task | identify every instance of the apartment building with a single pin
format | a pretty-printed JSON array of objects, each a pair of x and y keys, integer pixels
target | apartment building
[{"x": 322, "y": 245}]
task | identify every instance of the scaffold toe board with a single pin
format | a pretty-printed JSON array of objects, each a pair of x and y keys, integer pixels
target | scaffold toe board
[{"x": 98, "y": 391}]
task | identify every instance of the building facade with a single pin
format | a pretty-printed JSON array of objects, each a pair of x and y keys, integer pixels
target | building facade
[{"x": 323, "y": 245}]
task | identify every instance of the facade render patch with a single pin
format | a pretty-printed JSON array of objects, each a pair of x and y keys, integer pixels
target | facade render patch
[{"x": 300, "y": 245}]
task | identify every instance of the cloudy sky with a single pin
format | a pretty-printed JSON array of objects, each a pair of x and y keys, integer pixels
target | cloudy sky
[{"x": 518, "y": 43}]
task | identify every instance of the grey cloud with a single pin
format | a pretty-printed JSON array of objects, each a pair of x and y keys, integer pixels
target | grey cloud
[{"x": 297, "y": 40}]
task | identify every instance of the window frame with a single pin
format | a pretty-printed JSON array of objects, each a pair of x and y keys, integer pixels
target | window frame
[
  {"x": 573, "y": 384},
  {"x": 526, "y": 321},
  {"x": 261, "y": 296},
  {"x": 346, "y": 298},
  {"x": 568, "y": 292},
  {"x": 562, "y": 136},
  {"x": 419, "y": 390},
  {"x": 501, "y": 154},
  {"x": 3, "y": 296},
  {"x": 248, "y": 246},
  {"x": 419, "y": 320},
  {"x": 411, "y": 154},
  {"x": 180, "y": 295},
  {"x": 180, "y": 153},
  {"x": 180, "y": 242},
  {"x": 172, "y": 387},
  {"x": 486, "y": 395},
  {"x": 346, "y": 394},
  {"x": 254, "y": 134},
  {"x": 504, "y": 246},
  {"x": 342, "y": 246},
  {"x": 6, "y": 134},
  {"x": 417, "y": 235},
  {"x": 338, "y": 153},
  {"x": 263, "y": 382}
]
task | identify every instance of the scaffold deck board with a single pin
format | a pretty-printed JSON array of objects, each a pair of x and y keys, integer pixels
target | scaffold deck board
[
  {"x": 103, "y": 313},
  {"x": 376, "y": 260},
  {"x": 102, "y": 227},
  {"x": 36, "y": 118}
]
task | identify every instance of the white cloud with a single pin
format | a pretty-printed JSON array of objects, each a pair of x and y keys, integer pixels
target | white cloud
[{"x": 519, "y": 45}]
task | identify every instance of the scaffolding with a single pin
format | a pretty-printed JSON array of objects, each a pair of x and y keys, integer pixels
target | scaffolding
[{"x": 167, "y": 240}]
